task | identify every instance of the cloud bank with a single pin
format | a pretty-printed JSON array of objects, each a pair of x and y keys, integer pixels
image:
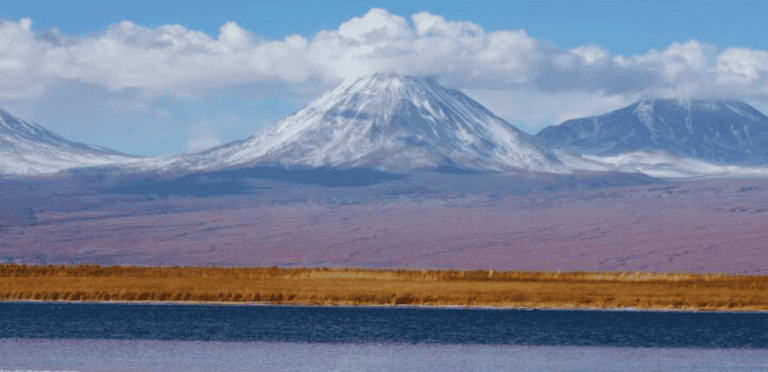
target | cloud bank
[{"x": 171, "y": 60}]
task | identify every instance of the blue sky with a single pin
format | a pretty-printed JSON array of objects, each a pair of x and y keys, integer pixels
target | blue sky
[
  {"x": 228, "y": 69},
  {"x": 623, "y": 27}
]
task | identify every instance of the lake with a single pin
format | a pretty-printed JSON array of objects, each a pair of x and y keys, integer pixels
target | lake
[{"x": 167, "y": 337}]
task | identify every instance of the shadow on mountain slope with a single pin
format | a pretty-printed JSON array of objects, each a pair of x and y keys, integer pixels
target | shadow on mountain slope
[{"x": 101, "y": 193}]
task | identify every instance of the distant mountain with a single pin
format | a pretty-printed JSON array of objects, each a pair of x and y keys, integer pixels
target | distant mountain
[
  {"x": 387, "y": 122},
  {"x": 720, "y": 132},
  {"x": 28, "y": 149}
]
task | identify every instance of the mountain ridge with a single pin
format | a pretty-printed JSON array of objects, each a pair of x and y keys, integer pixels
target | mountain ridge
[
  {"x": 27, "y": 148},
  {"x": 719, "y": 132},
  {"x": 394, "y": 123}
]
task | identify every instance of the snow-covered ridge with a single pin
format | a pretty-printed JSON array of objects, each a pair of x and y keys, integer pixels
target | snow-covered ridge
[
  {"x": 29, "y": 149},
  {"x": 717, "y": 132},
  {"x": 387, "y": 122}
]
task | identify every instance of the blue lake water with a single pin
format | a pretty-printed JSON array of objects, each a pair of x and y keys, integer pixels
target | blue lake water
[{"x": 81, "y": 336}]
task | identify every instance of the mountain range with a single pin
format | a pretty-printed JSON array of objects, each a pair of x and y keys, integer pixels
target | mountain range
[{"x": 399, "y": 123}]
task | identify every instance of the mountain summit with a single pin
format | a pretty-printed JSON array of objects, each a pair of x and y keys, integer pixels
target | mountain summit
[
  {"x": 27, "y": 148},
  {"x": 721, "y": 132},
  {"x": 387, "y": 122}
]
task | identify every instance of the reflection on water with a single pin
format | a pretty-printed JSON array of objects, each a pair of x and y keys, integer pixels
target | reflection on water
[{"x": 149, "y": 355}]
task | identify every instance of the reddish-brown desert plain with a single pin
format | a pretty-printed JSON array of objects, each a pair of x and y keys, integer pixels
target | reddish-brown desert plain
[{"x": 695, "y": 227}]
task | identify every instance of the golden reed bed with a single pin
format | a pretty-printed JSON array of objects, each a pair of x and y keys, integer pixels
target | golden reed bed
[{"x": 323, "y": 286}]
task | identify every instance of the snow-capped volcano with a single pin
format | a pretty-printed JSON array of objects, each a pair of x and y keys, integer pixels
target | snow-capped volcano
[
  {"x": 718, "y": 132},
  {"x": 387, "y": 122},
  {"x": 27, "y": 149}
]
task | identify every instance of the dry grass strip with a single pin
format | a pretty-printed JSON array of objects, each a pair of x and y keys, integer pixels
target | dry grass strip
[{"x": 323, "y": 286}]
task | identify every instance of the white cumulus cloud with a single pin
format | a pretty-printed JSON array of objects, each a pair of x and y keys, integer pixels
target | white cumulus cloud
[
  {"x": 177, "y": 60},
  {"x": 172, "y": 60},
  {"x": 741, "y": 66}
]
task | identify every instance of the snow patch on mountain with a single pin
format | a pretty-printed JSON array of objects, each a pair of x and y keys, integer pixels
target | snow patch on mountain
[
  {"x": 658, "y": 164},
  {"x": 644, "y": 112}
]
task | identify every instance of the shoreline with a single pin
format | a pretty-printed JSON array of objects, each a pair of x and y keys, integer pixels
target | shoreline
[{"x": 398, "y": 306}]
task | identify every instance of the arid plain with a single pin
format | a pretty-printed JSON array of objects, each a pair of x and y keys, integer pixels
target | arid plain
[{"x": 701, "y": 226}]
